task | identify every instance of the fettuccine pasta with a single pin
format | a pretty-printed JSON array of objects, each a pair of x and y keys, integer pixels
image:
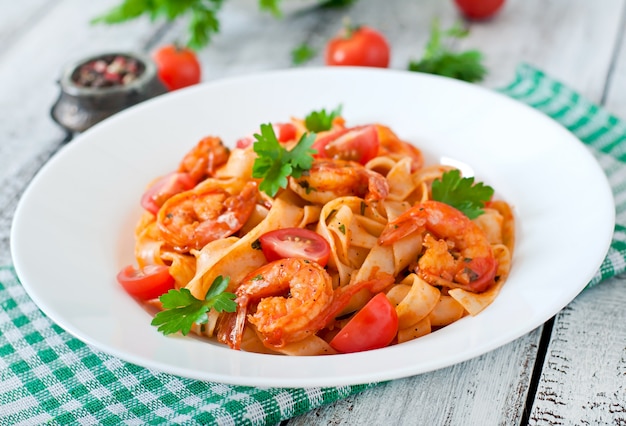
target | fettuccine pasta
[{"x": 367, "y": 198}]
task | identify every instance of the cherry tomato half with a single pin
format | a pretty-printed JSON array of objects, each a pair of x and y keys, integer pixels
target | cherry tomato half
[
  {"x": 284, "y": 132},
  {"x": 373, "y": 327},
  {"x": 362, "y": 46},
  {"x": 479, "y": 9},
  {"x": 295, "y": 242},
  {"x": 148, "y": 283},
  {"x": 161, "y": 190},
  {"x": 358, "y": 144},
  {"x": 177, "y": 67}
]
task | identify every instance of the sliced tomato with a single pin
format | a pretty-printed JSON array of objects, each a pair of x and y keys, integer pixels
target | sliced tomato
[
  {"x": 148, "y": 283},
  {"x": 295, "y": 242},
  {"x": 358, "y": 144},
  {"x": 373, "y": 327},
  {"x": 163, "y": 189}
]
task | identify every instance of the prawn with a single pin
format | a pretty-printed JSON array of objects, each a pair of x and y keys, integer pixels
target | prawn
[
  {"x": 204, "y": 159},
  {"x": 191, "y": 219},
  {"x": 458, "y": 253},
  {"x": 330, "y": 178},
  {"x": 291, "y": 294},
  {"x": 295, "y": 300}
]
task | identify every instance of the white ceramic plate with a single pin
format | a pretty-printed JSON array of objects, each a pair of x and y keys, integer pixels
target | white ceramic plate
[{"x": 73, "y": 229}]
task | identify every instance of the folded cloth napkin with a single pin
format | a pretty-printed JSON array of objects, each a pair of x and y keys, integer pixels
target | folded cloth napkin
[{"x": 48, "y": 376}]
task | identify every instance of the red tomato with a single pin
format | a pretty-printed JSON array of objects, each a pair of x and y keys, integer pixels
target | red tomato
[
  {"x": 161, "y": 190},
  {"x": 177, "y": 67},
  {"x": 362, "y": 46},
  {"x": 373, "y": 327},
  {"x": 284, "y": 132},
  {"x": 358, "y": 144},
  {"x": 295, "y": 242},
  {"x": 147, "y": 283},
  {"x": 479, "y": 9}
]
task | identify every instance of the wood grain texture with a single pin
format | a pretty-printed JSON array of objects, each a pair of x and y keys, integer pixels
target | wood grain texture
[
  {"x": 584, "y": 375},
  {"x": 487, "y": 390}
]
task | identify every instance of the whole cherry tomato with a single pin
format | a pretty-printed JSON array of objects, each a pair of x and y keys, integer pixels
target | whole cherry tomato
[
  {"x": 360, "y": 46},
  {"x": 177, "y": 67},
  {"x": 479, "y": 9}
]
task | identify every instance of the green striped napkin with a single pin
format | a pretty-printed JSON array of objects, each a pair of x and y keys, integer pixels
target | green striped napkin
[
  {"x": 49, "y": 377},
  {"x": 602, "y": 132}
]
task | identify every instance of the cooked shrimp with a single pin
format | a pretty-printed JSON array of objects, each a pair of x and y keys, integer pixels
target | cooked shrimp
[
  {"x": 191, "y": 219},
  {"x": 292, "y": 295},
  {"x": 457, "y": 253},
  {"x": 329, "y": 179},
  {"x": 205, "y": 158},
  {"x": 295, "y": 300}
]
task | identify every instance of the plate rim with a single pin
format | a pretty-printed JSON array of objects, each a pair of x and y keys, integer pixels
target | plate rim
[{"x": 260, "y": 380}]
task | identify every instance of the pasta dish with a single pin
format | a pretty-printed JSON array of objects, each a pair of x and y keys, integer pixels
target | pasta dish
[{"x": 312, "y": 237}]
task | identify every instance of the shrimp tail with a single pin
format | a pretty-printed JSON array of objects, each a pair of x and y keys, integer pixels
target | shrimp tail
[
  {"x": 236, "y": 333},
  {"x": 399, "y": 229}
]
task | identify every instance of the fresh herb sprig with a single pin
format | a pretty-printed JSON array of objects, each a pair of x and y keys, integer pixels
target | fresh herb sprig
[
  {"x": 183, "y": 310},
  {"x": 274, "y": 163},
  {"x": 440, "y": 59},
  {"x": 302, "y": 53},
  {"x": 202, "y": 15},
  {"x": 462, "y": 193},
  {"x": 203, "y": 22},
  {"x": 319, "y": 121}
]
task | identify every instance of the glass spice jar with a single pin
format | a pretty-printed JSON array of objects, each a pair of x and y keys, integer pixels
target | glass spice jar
[{"x": 99, "y": 86}]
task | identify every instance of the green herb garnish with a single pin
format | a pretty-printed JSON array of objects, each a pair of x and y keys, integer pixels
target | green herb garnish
[
  {"x": 439, "y": 59},
  {"x": 275, "y": 163},
  {"x": 462, "y": 193},
  {"x": 182, "y": 310},
  {"x": 303, "y": 53},
  {"x": 319, "y": 121}
]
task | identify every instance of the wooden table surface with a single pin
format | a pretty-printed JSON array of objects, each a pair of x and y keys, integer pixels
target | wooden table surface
[{"x": 571, "y": 370}]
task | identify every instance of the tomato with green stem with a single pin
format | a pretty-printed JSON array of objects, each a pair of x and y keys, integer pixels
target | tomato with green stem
[
  {"x": 146, "y": 283},
  {"x": 177, "y": 67},
  {"x": 358, "y": 46},
  {"x": 301, "y": 243},
  {"x": 373, "y": 327}
]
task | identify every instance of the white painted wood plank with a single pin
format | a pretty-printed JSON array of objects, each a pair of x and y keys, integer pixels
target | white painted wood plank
[
  {"x": 584, "y": 375},
  {"x": 571, "y": 40},
  {"x": 18, "y": 17},
  {"x": 487, "y": 390}
]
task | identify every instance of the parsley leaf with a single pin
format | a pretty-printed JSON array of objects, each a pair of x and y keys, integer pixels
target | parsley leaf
[
  {"x": 201, "y": 16},
  {"x": 275, "y": 163},
  {"x": 182, "y": 310},
  {"x": 439, "y": 59},
  {"x": 301, "y": 54},
  {"x": 318, "y": 121},
  {"x": 462, "y": 193}
]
